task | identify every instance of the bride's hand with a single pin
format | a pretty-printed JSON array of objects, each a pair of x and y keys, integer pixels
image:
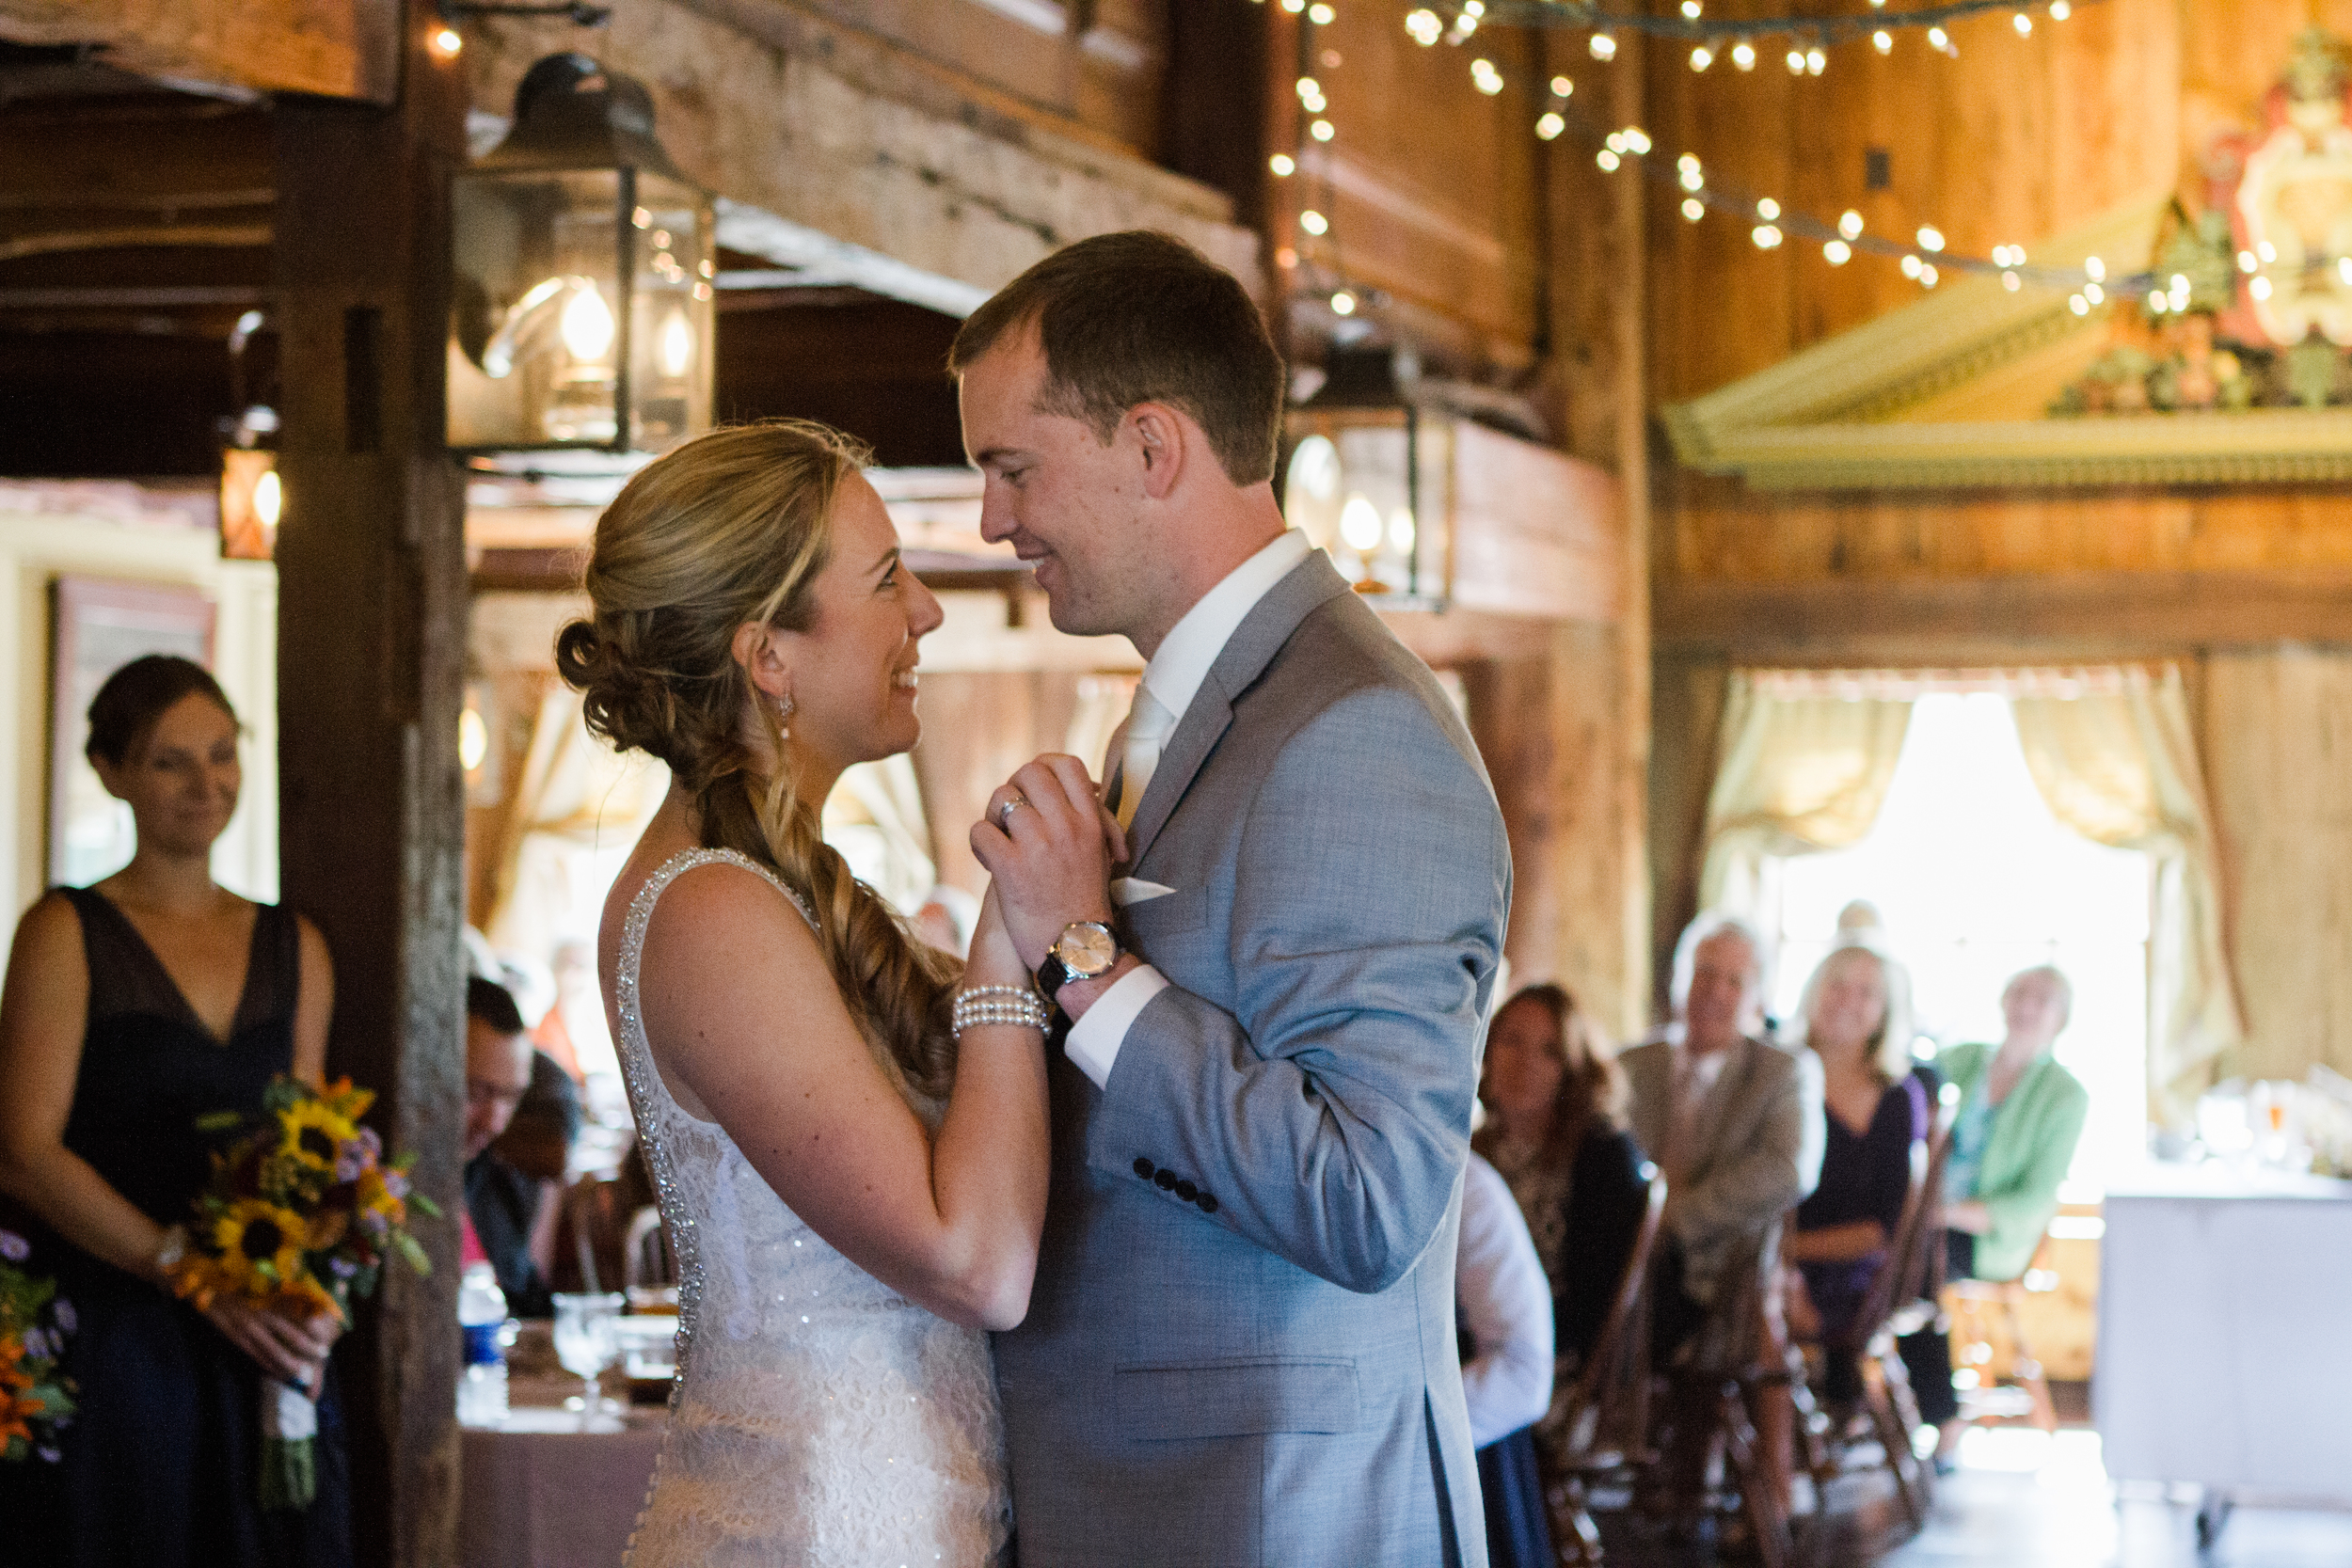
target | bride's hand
[{"x": 993, "y": 960}]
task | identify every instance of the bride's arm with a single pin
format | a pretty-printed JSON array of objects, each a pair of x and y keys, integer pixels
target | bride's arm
[{"x": 744, "y": 1016}]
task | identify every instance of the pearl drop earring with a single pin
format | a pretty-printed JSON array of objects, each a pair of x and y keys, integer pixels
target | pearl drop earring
[{"x": 784, "y": 712}]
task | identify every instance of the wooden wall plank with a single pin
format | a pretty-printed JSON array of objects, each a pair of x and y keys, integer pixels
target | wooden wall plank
[{"x": 331, "y": 48}]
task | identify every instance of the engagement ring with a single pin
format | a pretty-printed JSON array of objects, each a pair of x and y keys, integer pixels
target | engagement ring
[{"x": 1004, "y": 812}]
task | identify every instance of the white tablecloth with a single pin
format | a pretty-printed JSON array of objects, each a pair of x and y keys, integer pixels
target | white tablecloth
[
  {"x": 2225, "y": 1332},
  {"x": 539, "y": 1493}
]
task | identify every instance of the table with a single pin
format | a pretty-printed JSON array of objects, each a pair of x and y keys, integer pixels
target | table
[
  {"x": 2225, "y": 1335},
  {"x": 540, "y": 1493}
]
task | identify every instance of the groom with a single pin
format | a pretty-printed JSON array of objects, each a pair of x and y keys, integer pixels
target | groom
[{"x": 1240, "y": 1350}]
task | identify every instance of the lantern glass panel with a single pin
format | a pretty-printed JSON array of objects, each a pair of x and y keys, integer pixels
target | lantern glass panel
[
  {"x": 536, "y": 354},
  {"x": 1350, "y": 487},
  {"x": 671, "y": 313}
]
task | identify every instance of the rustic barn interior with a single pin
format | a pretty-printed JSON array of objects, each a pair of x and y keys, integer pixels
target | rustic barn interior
[{"x": 1787, "y": 387}]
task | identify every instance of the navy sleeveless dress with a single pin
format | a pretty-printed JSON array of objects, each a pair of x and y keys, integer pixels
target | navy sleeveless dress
[{"x": 159, "y": 1468}]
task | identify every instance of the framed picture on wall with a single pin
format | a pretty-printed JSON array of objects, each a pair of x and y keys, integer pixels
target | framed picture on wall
[{"x": 97, "y": 626}]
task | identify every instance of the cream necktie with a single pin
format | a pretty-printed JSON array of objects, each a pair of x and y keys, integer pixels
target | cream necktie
[{"x": 1148, "y": 725}]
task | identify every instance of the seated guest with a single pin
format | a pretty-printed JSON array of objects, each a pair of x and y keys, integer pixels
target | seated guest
[
  {"x": 2020, "y": 1116},
  {"x": 1734, "y": 1119},
  {"x": 1554, "y": 1099},
  {"x": 1506, "y": 1315},
  {"x": 1855, "y": 1018},
  {"x": 508, "y": 1187}
]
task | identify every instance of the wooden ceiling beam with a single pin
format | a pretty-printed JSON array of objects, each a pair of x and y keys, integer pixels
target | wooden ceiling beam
[{"x": 325, "y": 48}]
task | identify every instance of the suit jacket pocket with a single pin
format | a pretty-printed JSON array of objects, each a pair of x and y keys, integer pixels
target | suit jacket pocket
[
  {"x": 1238, "y": 1398},
  {"x": 1184, "y": 909}
]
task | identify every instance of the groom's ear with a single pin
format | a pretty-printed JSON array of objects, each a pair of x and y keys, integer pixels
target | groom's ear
[{"x": 1163, "y": 439}]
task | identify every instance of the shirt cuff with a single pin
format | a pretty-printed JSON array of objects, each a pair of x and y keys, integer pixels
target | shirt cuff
[{"x": 1094, "y": 1039}]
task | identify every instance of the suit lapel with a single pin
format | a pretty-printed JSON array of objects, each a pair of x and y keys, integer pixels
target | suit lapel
[
  {"x": 1728, "y": 1092},
  {"x": 1247, "y": 652}
]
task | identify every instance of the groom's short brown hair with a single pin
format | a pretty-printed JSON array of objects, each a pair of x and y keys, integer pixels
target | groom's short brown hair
[{"x": 1140, "y": 316}]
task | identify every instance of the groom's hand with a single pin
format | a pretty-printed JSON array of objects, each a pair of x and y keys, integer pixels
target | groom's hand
[{"x": 1050, "y": 853}]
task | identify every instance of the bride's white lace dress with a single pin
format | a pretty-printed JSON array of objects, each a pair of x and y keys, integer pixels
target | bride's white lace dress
[{"x": 819, "y": 1418}]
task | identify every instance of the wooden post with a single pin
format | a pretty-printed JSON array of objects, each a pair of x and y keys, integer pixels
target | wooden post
[{"x": 372, "y": 622}]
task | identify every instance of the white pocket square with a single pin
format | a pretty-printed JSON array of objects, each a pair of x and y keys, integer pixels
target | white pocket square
[{"x": 1135, "y": 890}]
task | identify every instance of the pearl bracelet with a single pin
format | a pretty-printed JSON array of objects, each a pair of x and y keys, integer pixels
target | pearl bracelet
[{"x": 1017, "y": 1005}]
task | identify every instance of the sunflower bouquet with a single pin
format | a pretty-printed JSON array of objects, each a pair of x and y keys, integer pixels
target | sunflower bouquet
[
  {"x": 35, "y": 1395},
  {"x": 301, "y": 1214}
]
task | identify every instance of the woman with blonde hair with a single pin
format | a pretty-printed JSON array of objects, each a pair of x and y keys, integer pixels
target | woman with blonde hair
[
  {"x": 1855, "y": 1015},
  {"x": 848, "y": 1135}
]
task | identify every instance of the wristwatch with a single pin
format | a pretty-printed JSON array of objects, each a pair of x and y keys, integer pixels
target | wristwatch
[{"x": 1085, "y": 950}]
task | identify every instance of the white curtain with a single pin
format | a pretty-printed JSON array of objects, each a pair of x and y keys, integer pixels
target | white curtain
[
  {"x": 2117, "y": 763},
  {"x": 577, "y": 802},
  {"x": 1802, "y": 765},
  {"x": 875, "y": 818}
]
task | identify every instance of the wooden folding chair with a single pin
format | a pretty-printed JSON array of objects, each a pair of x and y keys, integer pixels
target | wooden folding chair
[
  {"x": 1975, "y": 1300},
  {"x": 1737, "y": 1356},
  {"x": 1600, "y": 1426}
]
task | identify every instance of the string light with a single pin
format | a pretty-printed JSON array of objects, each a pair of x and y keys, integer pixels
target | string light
[
  {"x": 1691, "y": 10},
  {"x": 447, "y": 42},
  {"x": 1911, "y": 264},
  {"x": 2094, "y": 294},
  {"x": 1321, "y": 15},
  {"x": 2024, "y": 24},
  {"x": 1549, "y": 125},
  {"x": 1315, "y": 222},
  {"x": 1767, "y": 209},
  {"x": 1424, "y": 26},
  {"x": 2094, "y": 269},
  {"x": 1284, "y": 166},
  {"x": 1701, "y": 57},
  {"x": 1693, "y": 209},
  {"x": 1850, "y": 225},
  {"x": 1608, "y": 160},
  {"x": 2060, "y": 10},
  {"x": 1690, "y": 26},
  {"x": 1484, "y": 77},
  {"x": 1796, "y": 62},
  {"x": 1931, "y": 239},
  {"x": 2258, "y": 286},
  {"x": 1743, "y": 54},
  {"x": 1837, "y": 253},
  {"x": 1766, "y": 237},
  {"x": 1343, "y": 303},
  {"x": 1320, "y": 129},
  {"x": 2080, "y": 306},
  {"x": 1816, "y": 60},
  {"x": 2010, "y": 281},
  {"x": 1563, "y": 88},
  {"x": 1927, "y": 276},
  {"x": 1941, "y": 41},
  {"x": 1883, "y": 42},
  {"x": 1604, "y": 47}
]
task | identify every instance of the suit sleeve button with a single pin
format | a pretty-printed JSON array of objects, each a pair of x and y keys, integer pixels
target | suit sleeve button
[
  {"x": 1186, "y": 1191},
  {"x": 1208, "y": 1204},
  {"x": 1167, "y": 1180},
  {"x": 1143, "y": 1167}
]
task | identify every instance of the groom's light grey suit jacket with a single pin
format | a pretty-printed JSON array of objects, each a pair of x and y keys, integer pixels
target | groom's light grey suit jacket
[{"x": 1240, "y": 1350}]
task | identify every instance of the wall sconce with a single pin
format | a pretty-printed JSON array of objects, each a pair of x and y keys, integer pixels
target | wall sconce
[
  {"x": 585, "y": 264},
  {"x": 252, "y": 498},
  {"x": 1365, "y": 476}
]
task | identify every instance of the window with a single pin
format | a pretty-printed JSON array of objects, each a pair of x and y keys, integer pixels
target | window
[{"x": 1974, "y": 880}]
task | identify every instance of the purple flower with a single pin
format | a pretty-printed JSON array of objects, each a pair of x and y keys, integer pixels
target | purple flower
[
  {"x": 62, "y": 1309},
  {"x": 48, "y": 1455},
  {"x": 38, "y": 1345},
  {"x": 343, "y": 1268},
  {"x": 14, "y": 1248},
  {"x": 395, "y": 1183}
]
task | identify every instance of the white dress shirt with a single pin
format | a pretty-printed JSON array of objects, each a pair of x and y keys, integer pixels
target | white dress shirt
[
  {"x": 1506, "y": 1305},
  {"x": 1174, "y": 676}
]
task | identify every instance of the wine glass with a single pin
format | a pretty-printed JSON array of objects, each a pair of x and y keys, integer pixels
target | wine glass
[{"x": 587, "y": 1343}]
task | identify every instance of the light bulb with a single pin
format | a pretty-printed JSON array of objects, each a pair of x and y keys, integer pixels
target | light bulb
[
  {"x": 2080, "y": 306},
  {"x": 1549, "y": 125},
  {"x": 1614, "y": 141},
  {"x": 1360, "y": 524},
  {"x": 1693, "y": 178},
  {"x": 1910, "y": 265},
  {"x": 2157, "y": 304},
  {"x": 1321, "y": 15},
  {"x": 1343, "y": 304},
  {"x": 1313, "y": 222},
  {"x": 1883, "y": 42},
  {"x": 1693, "y": 209},
  {"x": 269, "y": 498},
  {"x": 1796, "y": 62},
  {"x": 1424, "y": 26},
  {"x": 676, "y": 346},
  {"x": 2259, "y": 287},
  {"x": 1562, "y": 88},
  {"x": 1308, "y": 89},
  {"x": 1320, "y": 129},
  {"x": 1815, "y": 61},
  {"x": 1284, "y": 166},
  {"x": 1484, "y": 77},
  {"x": 1607, "y": 159},
  {"x": 1401, "y": 531},
  {"x": 1765, "y": 236},
  {"x": 1849, "y": 223},
  {"x": 474, "y": 739},
  {"x": 2094, "y": 269},
  {"x": 1940, "y": 40},
  {"x": 445, "y": 42},
  {"x": 1604, "y": 47},
  {"x": 2010, "y": 281},
  {"x": 2245, "y": 262},
  {"x": 1837, "y": 253},
  {"x": 1767, "y": 209},
  {"x": 1701, "y": 57},
  {"x": 2094, "y": 294},
  {"x": 2024, "y": 24},
  {"x": 2060, "y": 10},
  {"x": 1691, "y": 11},
  {"x": 1637, "y": 139},
  {"x": 1743, "y": 54},
  {"x": 1931, "y": 239},
  {"x": 1927, "y": 276},
  {"x": 2180, "y": 283},
  {"x": 586, "y": 324},
  {"x": 2267, "y": 251}
]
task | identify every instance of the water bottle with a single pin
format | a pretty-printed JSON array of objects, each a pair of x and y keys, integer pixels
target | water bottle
[{"x": 482, "y": 1314}]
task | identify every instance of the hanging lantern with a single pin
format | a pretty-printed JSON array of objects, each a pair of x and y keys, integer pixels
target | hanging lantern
[
  {"x": 1366, "y": 475},
  {"x": 583, "y": 309}
]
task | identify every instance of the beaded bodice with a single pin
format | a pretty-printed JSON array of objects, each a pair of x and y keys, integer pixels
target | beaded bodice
[{"x": 818, "y": 1418}]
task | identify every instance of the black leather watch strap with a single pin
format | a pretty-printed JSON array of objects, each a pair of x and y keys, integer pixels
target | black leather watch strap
[{"x": 1052, "y": 974}]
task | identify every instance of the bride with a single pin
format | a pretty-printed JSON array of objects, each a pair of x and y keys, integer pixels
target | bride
[{"x": 848, "y": 1135}]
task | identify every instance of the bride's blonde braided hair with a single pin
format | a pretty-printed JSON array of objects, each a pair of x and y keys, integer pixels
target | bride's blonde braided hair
[{"x": 730, "y": 528}]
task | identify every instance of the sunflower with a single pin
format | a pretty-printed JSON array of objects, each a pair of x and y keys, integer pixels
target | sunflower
[
  {"x": 261, "y": 1245},
  {"x": 313, "y": 1132}
]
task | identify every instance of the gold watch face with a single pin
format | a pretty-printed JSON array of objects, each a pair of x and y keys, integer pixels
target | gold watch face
[{"x": 1087, "y": 948}]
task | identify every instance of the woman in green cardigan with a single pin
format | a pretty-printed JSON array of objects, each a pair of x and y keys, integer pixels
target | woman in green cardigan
[{"x": 2020, "y": 1116}]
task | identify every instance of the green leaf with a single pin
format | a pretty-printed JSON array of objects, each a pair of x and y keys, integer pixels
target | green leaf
[
  {"x": 410, "y": 1253},
  {"x": 425, "y": 1205},
  {"x": 220, "y": 1121}
]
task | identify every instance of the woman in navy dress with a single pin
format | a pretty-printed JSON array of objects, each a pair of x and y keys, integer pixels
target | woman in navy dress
[
  {"x": 1855, "y": 1016},
  {"x": 132, "y": 1008}
]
